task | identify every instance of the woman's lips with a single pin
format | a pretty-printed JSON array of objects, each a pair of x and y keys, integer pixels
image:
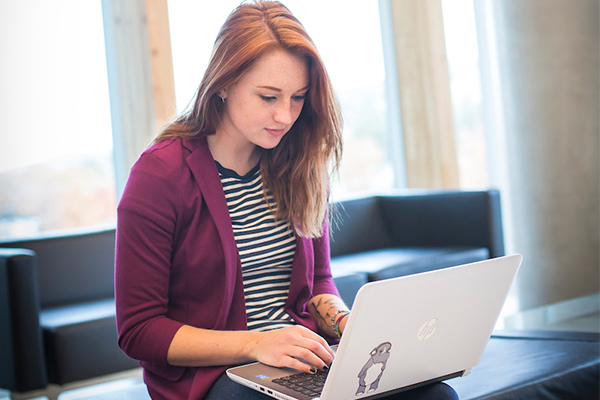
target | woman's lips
[{"x": 276, "y": 132}]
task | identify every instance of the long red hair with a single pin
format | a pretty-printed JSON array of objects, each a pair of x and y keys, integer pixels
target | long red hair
[{"x": 297, "y": 171}]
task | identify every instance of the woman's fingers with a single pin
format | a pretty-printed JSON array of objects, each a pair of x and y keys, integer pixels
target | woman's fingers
[
  {"x": 312, "y": 352},
  {"x": 286, "y": 347},
  {"x": 303, "y": 344}
]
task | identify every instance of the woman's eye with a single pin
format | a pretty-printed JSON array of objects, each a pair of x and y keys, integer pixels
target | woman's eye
[
  {"x": 299, "y": 98},
  {"x": 268, "y": 99}
]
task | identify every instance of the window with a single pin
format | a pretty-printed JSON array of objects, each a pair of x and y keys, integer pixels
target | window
[
  {"x": 467, "y": 97},
  {"x": 56, "y": 171},
  {"x": 348, "y": 36},
  {"x": 465, "y": 87}
]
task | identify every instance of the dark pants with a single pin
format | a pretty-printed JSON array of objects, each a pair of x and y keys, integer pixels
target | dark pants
[{"x": 224, "y": 388}]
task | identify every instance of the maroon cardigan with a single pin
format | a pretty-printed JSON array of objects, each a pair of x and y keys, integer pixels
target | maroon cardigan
[{"x": 177, "y": 263}]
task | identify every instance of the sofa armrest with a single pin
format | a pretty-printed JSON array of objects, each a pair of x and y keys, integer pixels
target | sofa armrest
[
  {"x": 445, "y": 218},
  {"x": 23, "y": 365}
]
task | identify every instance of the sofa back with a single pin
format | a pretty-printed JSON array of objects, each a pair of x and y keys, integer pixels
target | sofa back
[
  {"x": 418, "y": 218},
  {"x": 80, "y": 267},
  {"x": 445, "y": 218},
  {"x": 73, "y": 268},
  {"x": 357, "y": 225}
]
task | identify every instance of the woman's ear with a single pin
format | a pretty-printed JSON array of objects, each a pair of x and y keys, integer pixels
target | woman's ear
[{"x": 222, "y": 94}]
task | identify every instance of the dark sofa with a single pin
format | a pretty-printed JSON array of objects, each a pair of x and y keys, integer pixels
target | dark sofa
[
  {"x": 57, "y": 306},
  {"x": 380, "y": 237},
  {"x": 540, "y": 365},
  {"x": 58, "y": 313}
]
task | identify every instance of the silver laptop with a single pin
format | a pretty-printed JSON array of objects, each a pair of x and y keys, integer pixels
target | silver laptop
[{"x": 403, "y": 333}]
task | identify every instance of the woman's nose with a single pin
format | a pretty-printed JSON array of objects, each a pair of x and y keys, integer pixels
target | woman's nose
[{"x": 283, "y": 113}]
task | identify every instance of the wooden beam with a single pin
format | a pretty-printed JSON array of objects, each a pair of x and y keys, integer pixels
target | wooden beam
[
  {"x": 140, "y": 75},
  {"x": 129, "y": 81},
  {"x": 163, "y": 82},
  {"x": 424, "y": 87}
]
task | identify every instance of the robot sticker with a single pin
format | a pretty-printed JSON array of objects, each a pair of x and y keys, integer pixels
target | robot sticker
[{"x": 378, "y": 359}]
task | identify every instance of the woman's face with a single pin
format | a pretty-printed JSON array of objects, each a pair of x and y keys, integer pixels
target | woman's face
[{"x": 264, "y": 104}]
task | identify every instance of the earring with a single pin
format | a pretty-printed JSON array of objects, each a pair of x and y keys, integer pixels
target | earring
[{"x": 223, "y": 99}]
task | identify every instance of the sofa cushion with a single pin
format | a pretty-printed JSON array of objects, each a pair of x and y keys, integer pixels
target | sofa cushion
[
  {"x": 81, "y": 342},
  {"x": 554, "y": 366},
  {"x": 394, "y": 262}
]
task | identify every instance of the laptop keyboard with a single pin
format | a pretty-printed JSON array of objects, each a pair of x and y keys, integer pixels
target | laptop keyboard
[{"x": 305, "y": 383}]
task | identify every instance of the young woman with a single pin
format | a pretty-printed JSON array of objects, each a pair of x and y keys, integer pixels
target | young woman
[{"x": 222, "y": 251}]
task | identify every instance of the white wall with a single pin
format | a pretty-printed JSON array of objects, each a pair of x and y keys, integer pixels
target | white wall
[{"x": 548, "y": 78}]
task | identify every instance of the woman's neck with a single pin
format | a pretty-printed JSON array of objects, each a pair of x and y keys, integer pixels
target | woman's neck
[{"x": 240, "y": 159}]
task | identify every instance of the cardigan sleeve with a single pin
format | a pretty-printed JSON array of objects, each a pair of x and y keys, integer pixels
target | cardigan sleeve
[
  {"x": 323, "y": 280},
  {"x": 147, "y": 216}
]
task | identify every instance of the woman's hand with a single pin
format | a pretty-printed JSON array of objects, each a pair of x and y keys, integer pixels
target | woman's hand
[{"x": 286, "y": 346}]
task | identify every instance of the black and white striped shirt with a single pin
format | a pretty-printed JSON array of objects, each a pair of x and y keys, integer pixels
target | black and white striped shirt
[{"x": 266, "y": 248}]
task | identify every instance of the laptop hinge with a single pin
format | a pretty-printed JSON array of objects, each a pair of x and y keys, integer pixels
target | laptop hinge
[{"x": 466, "y": 372}]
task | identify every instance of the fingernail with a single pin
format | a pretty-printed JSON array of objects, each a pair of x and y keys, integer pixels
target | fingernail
[
  {"x": 313, "y": 370},
  {"x": 325, "y": 368}
]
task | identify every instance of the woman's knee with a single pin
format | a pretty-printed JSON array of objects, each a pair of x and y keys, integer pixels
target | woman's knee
[
  {"x": 435, "y": 391},
  {"x": 225, "y": 389},
  {"x": 444, "y": 391}
]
